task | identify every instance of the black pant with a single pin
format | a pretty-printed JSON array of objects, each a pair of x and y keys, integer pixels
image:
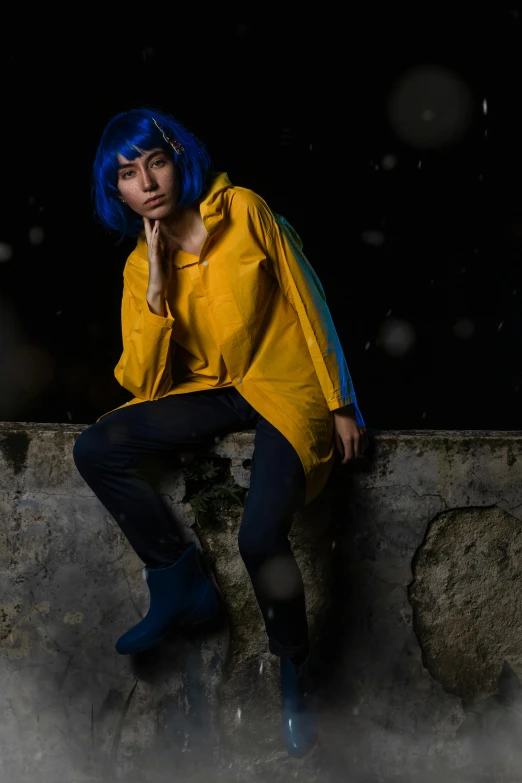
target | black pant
[{"x": 111, "y": 454}]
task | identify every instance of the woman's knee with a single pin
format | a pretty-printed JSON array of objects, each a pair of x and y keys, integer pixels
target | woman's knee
[
  {"x": 257, "y": 544},
  {"x": 89, "y": 445}
]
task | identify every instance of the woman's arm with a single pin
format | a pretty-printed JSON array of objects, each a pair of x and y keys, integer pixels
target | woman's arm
[
  {"x": 303, "y": 289},
  {"x": 144, "y": 367}
]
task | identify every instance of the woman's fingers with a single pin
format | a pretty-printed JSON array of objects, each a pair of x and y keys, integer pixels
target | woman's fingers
[{"x": 146, "y": 223}]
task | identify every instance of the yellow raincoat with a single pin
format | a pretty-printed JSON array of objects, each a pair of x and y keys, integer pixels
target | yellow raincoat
[{"x": 249, "y": 312}]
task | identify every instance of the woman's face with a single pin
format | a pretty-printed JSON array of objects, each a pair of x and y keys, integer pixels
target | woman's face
[{"x": 148, "y": 184}]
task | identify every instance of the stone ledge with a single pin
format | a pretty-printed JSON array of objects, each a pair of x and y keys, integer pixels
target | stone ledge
[{"x": 412, "y": 564}]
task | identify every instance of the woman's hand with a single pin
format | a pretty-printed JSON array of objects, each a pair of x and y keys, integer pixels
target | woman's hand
[
  {"x": 351, "y": 440},
  {"x": 159, "y": 262}
]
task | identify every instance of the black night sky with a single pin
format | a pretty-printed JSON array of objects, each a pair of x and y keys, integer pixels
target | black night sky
[{"x": 392, "y": 143}]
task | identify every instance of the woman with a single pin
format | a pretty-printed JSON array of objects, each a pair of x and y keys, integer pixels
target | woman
[{"x": 225, "y": 328}]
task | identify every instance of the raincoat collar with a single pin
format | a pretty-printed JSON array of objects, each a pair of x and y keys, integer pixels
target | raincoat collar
[
  {"x": 210, "y": 208},
  {"x": 211, "y": 205}
]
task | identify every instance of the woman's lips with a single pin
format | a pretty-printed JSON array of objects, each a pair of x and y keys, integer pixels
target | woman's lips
[{"x": 153, "y": 202}]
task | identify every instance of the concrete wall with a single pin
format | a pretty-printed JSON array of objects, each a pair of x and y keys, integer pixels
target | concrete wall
[{"x": 412, "y": 561}]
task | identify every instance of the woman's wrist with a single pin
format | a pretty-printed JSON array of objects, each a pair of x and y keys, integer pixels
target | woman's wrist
[{"x": 156, "y": 302}]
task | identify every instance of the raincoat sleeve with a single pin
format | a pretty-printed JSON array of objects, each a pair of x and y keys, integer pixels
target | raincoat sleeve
[
  {"x": 302, "y": 288},
  {"x": 144, "y": 367}
]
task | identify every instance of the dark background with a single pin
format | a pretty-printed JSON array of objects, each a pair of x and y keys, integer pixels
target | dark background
[{"x": 367, "y": 130}]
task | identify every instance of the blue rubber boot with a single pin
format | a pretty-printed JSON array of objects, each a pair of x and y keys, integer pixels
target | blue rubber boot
[
  {"x": 181, "y": 596},
  {"x": 299, "y": 720}
]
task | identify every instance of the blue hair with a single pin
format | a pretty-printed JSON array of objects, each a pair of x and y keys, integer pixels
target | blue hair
[{"x": 134, "y": 130}]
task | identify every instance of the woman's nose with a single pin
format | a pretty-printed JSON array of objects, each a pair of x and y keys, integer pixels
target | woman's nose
[{"x": 148, "y": 182}]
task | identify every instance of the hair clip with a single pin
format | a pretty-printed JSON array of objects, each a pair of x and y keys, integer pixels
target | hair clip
[{"x": 176, "y": 145}]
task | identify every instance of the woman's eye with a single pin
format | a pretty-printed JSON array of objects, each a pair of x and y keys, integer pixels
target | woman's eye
[
  {"x": 158, "y": 160},
  {"x": 124, "y": 175}
]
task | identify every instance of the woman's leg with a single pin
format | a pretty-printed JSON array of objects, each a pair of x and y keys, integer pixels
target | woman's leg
[
  {"x": 277, "y": 490},
  {"x": 112, "y": 456}
]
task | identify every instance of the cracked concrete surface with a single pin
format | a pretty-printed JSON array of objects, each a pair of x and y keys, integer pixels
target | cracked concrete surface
[{"x": 412, "y": 564}]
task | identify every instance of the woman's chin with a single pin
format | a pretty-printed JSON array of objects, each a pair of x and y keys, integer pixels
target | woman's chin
[{"x": 161, "y": 212}]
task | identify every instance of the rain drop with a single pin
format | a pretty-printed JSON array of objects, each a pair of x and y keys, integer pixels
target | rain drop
[
  {"x": 464, "y": 328},
  {"x": 389, "y": 162},
  {"x": 6, "y": 251},
  {"x": 397, "y": 336},
  {"x": 36, "y": 235},
  {"x": 372, "y": 237}
]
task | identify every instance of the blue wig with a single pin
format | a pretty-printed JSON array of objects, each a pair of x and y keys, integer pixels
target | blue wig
[{"x": 134, "y": 130}]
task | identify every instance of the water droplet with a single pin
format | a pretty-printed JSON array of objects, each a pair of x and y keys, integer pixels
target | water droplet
[
  {"x": 36, "y": 235},
  {"x": 397, "y": 336},
  {"x": 464, "y": 328},
  {"x": 6, "y": 251},
  {"x": 372, "y": 237},
  {"x": 389, "y": 162}
]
